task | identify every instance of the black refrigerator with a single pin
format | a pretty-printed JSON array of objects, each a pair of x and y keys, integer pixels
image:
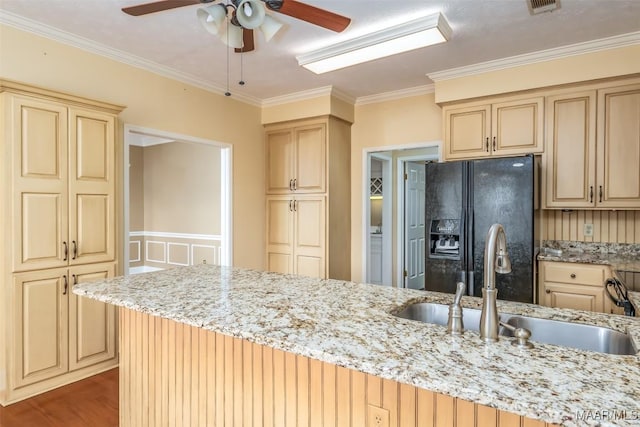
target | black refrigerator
[{"x": 463, "y": 199}]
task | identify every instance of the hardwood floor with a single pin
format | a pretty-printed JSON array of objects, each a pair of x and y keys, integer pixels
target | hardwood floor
[{"x": 92, "y": 402}]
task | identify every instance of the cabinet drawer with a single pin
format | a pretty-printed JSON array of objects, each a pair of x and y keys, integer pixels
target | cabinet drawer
[{"x": 574, "y": 273}]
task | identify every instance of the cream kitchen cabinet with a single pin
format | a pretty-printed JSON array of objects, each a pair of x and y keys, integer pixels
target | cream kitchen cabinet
[
  {"x": 63, "y": 178},
  {"x": 308, "y": 197},
  {"x": 56, "y": 331},
  {"x": 593, "y": 148},
  {"x": 574, "y": 285},
  {"x": 58, "y": 228},
  {"x": 296, "y": 235},
  {"x": 296, "y": 159},
  {"x": 504, "y": 127}
]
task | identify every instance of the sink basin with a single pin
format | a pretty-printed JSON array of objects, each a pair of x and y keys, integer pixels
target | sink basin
[{"x": 574, "y": 335}]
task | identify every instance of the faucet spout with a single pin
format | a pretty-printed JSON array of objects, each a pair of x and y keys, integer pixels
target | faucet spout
[{"x": 496, "y": 260}]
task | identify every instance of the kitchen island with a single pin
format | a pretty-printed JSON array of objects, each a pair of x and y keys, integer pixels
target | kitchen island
[{"x": 208, "y": 345}]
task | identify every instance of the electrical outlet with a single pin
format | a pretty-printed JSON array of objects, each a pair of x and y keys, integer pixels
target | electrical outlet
[
  {"x": 377, "y": 417},
  {"x": 588, "y": 230}
]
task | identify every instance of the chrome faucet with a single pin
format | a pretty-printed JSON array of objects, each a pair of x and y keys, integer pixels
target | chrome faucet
[{"x": 496, "y": 260}]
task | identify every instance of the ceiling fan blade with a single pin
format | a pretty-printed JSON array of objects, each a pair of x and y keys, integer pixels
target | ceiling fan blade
[
  {"x": 247, "y": 41},
  {"x": 157, "y": 6},
  {"x": 323, "y": 18}
]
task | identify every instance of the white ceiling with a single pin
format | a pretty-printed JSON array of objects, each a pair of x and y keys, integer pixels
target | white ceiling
[{"x": 174, "y": 41}]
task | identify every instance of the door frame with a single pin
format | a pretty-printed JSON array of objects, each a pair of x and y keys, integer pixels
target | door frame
[
  {"x": 366, "y": 215},
  {"x": 226, "y": 186},
  {"x": 401, "y": 245}
]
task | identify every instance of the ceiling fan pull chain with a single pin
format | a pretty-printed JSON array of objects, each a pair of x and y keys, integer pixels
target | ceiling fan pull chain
[
  {"x": 241, "y": 82},
  {"x": 227, "y": 93}
]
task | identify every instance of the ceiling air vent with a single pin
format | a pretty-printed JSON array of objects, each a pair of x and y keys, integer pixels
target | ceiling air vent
[{"x": 540, "y": 6}]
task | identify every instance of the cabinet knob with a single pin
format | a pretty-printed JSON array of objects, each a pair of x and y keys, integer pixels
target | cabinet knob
[
  {"x": 573, "y": 275},
  {"x": 548, "y": 291}
]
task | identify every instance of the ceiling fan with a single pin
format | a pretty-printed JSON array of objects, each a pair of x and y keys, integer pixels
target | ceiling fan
[{"x": 246, "y": 15}]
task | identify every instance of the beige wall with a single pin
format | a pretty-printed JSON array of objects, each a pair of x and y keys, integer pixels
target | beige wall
[
  {"x": 590, "y": 66},
  {"x": 399, "y": 122},
  {"x": 182, "y": 188},
  {"x": 155, "y": 102},
  {"x": 136, "y": 188}
]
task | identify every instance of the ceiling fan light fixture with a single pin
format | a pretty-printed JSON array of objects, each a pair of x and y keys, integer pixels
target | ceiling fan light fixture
[
  {"x": 231, "y": 35},
  {"x": 212, "y": 17},
  {"x": 270, "y": 27},
  {"x": 421, "y": 32},
  {"x": 250, "y": 14}
]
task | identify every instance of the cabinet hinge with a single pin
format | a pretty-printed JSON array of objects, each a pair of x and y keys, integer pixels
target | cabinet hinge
[
  {"x": 405, "y": 273},
  {"x": 406, "y": 176}
]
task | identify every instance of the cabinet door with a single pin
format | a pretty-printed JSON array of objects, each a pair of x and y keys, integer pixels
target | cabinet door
[
  {"x": 91, "y": 187},
  {"x": 40, "y": 325},
  {"x": 619, "y": 147},
  {"x": 517, "y": 127},
  {"x": 466, "y": 132},
  {"x": 310, "y": 236},
  {"x": 570, "y": 157},
  {"x": 92, "y": 335},
  {"x": 280, "y": 159},
  {"x": 38, "y": 131},
  {"x": 578, "y": 297},
  {"x": 280, "y": 238},
  {"x": 310, "y": 159}
]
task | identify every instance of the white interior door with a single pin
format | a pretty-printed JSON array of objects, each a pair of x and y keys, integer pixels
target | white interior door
[{"x": 414, "y": 225}]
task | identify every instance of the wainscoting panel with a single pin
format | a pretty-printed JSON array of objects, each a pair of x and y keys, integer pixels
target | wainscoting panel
[
  {"x": 608, "y": 226},
  {"x": 166, "y": 250},
  {"x": 173, "y": 374}
]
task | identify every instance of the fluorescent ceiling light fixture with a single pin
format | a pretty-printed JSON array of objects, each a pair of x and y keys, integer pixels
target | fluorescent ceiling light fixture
[{"x": 411, "y": 35}]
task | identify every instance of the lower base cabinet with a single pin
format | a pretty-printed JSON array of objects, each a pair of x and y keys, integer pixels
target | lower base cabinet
[
  {"x": 576, "y": 286},
  {"x": 56, "y": 336}
]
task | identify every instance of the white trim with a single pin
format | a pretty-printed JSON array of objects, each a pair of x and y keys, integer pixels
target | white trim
[
  {"x": 144, "y": 269},
  {"x": 226, "y": 196},
  {"x": 44, "y": 30},
  {"x": 164, "y": 251},
  {"x": 169, "y": 244},
  {"x": 308, "y": 94},
  {"x": 176, "y": 235},
  {"x": 613, "y": 42},
  {"x": 396, "y": 94},
  {"x": 137, "y": 242}
]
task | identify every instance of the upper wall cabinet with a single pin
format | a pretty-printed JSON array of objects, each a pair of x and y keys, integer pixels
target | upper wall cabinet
[
  {"x": 509, "y": 126},
  {"x": 593, "y": 149},
  {"x": 296, "y": 159},
  {"x": 64, "y": 183}
]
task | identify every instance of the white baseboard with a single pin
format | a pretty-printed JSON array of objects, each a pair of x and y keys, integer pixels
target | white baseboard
[{"x": 143, "y": 269}]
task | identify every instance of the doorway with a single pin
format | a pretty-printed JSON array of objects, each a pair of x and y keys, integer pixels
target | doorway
[
  {"x": 184, "y": 183},
  {"x": 404, "y": 219}
]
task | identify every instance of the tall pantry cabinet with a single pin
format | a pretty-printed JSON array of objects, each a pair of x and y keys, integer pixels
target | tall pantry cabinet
[
  {"x": 308, "y": 215},
  {"x": 58, "y": 229}
]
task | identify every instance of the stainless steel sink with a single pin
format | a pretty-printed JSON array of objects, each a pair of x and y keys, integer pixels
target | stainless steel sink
[{"x": 574, "y": 335}]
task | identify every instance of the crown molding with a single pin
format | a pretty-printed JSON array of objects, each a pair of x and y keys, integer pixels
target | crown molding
[
  {"x": 43, "y": 30},
  {"x": 396, "y": 94},
  {"x": 308, "y": 94},
  {"x": 540, "y": 56}
]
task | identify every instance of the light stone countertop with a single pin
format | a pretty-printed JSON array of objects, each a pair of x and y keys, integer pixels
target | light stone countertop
[{"x": 350, "y": 325}]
